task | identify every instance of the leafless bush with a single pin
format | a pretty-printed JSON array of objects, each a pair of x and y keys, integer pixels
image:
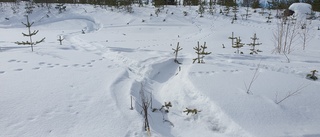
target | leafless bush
[
  {"x": 145, "y": 103},
  {"x": 285, "y": 34}
]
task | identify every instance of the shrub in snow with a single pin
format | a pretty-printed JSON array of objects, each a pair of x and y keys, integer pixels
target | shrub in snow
[
  {"x": 29, "y": 34},
  {"x": 192, "y": 111},
  {"x": 254, "y": 44},
  {"x": 164, "y": 108},
  {"x": 200, "y": 50},
  {"x": 175, "y": 51},
  {"x": 285, "y": 34},
  {"x": 312, "y": 75},
  {"x": 145, "y": 103}
]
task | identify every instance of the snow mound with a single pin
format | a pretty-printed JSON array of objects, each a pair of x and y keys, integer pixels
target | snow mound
[{"x": 301, "y": 10}]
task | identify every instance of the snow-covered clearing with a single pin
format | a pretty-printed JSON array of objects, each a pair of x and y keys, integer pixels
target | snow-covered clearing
[{"x": 83, "y": 87}]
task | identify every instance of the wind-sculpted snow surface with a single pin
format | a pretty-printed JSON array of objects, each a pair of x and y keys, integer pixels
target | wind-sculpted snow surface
[{"x": 84, "y": 86}]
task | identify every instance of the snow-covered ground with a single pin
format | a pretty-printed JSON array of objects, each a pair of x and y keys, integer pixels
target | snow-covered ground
[{"x": 83, "y": 87}]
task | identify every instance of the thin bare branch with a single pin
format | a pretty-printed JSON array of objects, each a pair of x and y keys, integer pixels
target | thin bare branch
[{"x": 290, "y": 94}]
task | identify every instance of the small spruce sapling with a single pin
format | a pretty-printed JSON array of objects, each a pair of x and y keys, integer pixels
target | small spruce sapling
[
  {"x": 60, "y": 39},
  {"x": 247, "y": 13},
  {"x": 29, "y": 34},
  {"x": 238, "y": 45},
  {"x": 254, "y": 44},
  {"x": 201, "y": 9},
  {"x": 175, "y": 51},
  {"x": 226, "y": 11},
  {"x": 61, "y": 7},
  {"x": 235, "y": 10},
  {"x": 312, "y": 75},
  {"x": 200, "y": 50},
  {"x": 269, "y": 18},
  {"x": 232, "y": 38},
  {"x": 157, "y": 11}
]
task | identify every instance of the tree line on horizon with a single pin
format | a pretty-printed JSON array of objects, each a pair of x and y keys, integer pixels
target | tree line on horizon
[{"x": 271, "y": 4}]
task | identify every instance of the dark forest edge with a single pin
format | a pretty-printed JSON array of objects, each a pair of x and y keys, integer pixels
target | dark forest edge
[{"x": 271, "y": 4}]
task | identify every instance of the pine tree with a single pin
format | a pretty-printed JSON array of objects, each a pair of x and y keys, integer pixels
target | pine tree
[
  {"x": 254, "y": 44},
  {"x": 178, "y": 48},
  {"x": 212, "y": 6},
  {"x": 238, "y": 45},
  {"x": 200, "y": 50},
  {"x": 235, "y": 10},
  {"x": 29, "y": 34},
  {"x": 201, "y": 9}
]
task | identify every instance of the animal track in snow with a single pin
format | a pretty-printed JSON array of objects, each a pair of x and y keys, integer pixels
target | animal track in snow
[
  {"x": 1, "y": 72},
  {"x": 207, "y": 73},
  {"x": 18, "y": 69},
  {"x": 18, "y": 61},
  {"x": 36, "y": 68},
  {"x": 12, "y": 60},
  {"x": 283, "y": 69}
]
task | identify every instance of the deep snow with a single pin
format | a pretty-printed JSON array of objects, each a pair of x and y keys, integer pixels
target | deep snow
[{"x": 83, "y": 87}]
